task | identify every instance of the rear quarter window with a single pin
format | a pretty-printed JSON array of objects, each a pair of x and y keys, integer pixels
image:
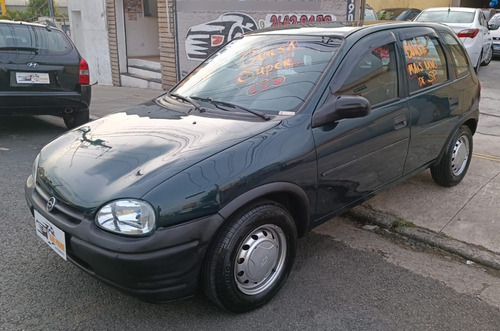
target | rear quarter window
[
  {"x": 45, "y": 41},
  {"x": 459, "y": 58},
  {"x": 425, "y": 62}
]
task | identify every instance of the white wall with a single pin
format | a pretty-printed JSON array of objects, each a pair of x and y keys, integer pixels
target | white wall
[{"x": 90, "y": 35}]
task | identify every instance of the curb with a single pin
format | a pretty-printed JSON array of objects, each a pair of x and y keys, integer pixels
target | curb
[{"x": 390, "y": 222}]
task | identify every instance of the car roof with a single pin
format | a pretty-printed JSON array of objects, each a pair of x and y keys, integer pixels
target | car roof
[
  {"x": 23, "y": 23},
  {"x": 342, "y": 29},
  {"x": 463, "y": 9}
]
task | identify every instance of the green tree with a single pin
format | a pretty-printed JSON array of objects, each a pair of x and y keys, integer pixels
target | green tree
[
  {"x": 36, "y": 8},
  {"x": 14, "y": 15}
]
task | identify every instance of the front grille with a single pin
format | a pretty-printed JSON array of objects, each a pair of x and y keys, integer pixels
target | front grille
[{"x": 63, "y": 212}]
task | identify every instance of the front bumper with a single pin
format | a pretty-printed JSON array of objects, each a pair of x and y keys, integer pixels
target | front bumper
[{"x": 164, "y": 266}]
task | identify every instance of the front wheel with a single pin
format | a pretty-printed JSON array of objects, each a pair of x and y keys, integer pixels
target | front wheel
[
  {"x": 455, "y": 162},
  {"x": 251, "y": 258}
]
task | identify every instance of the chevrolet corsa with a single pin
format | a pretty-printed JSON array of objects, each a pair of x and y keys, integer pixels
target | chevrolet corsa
[{"x": 210, "y": 185}]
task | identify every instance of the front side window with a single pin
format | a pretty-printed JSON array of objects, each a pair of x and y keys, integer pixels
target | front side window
[
  {"x": 425, "y": 62},
  {"x": 374, "y": 76},
  {"x": 270, "y": 73}
]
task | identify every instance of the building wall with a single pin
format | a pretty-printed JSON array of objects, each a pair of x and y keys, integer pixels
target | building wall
[
  {"x": 204, "y": 25},
  {"x": 166, "y": 16},
  {"x": 90, "y": 35}
]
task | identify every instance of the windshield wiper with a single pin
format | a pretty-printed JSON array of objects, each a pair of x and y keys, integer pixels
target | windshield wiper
[
  {"x": 19, "y": 48},
  {"x": 232, "y": 105},
  {"x": 188, "y": 100}
]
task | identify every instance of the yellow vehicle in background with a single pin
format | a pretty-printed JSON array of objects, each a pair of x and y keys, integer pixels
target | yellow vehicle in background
[{"x": 2, "y": 7}]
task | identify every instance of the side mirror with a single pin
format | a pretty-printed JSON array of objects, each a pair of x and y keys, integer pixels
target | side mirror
[
  {"x": 493, "y": 26},
  {"x": 345, "y": 106}
]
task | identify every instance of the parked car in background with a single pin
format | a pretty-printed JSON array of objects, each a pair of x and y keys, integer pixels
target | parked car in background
[
  {"x": 495, "y": 33},
  {"x": 370, "y": 14},
  {"x": 470, "y": 25},
  {"x": 42, "y": 73},
  {"x": 210, "y": 185},
  {"x": 488, "y": 13},
  {"x": 398, "y": 14}
]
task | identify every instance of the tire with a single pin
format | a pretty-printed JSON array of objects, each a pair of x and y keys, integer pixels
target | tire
[
  {"x": 478, "y": 64},
  {"x": 76, "y": 118},
  {"x": 456, "y": 160},
  {"x": 489, "y": 56},
  {"x": 251, "y": 258}
]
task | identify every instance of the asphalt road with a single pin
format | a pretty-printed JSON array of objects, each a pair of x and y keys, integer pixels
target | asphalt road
[{"x": 339, "y": 283}]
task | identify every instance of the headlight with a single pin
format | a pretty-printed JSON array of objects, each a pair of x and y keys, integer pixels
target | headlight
[
  {"x": 34, "y": 169},
  {"x": 127, "y": 216}
]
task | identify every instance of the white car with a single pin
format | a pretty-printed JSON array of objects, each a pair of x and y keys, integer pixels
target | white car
[
  {"x": 471, "y": 27},
  {"x": 495, "y": 33}
]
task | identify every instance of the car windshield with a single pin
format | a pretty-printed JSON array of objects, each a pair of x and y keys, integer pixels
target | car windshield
[
  {"x": 25, "y": 37},
  {"x": 446, "y": 16},
  {"x": 271, "y": 73}
]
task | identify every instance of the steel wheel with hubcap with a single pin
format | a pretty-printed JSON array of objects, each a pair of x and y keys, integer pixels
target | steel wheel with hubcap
[
  {"x": 260, "y": 259},
  {"x": 455, "y": 162},
  {"x": 251, "y": 257}
]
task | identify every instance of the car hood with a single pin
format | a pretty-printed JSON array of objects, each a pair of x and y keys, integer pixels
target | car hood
[{"x": 129, "y": 153}]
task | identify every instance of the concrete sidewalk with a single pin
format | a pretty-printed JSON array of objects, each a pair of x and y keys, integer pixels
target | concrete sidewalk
[{"x": 464, "y": 219}]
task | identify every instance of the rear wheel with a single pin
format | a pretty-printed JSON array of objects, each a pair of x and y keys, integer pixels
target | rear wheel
[
  {"x": 488, "y": 58},
  {"x": 455, "y": 162},
  {"x": 76, "y": 118},
  {"x": 251, "y": 258}
]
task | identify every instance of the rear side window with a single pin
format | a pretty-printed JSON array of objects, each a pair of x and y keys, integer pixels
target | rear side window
[
  {"x": 459, "y": 58},
  {"x": 374, "y": 76},
  {"x": 425, "y": 62},
  {"x": 24, "y": 37}
]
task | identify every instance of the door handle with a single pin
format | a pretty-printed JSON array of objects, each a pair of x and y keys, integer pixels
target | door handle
[{"x": 400, "y": 122}]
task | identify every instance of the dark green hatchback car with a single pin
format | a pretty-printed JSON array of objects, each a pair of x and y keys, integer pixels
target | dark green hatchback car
[{"x": 210, "y": 185}]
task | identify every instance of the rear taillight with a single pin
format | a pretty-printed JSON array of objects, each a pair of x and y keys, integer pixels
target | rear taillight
[
  {"x": 468, "y": 33},
  {"x": 83, "y": 72}
]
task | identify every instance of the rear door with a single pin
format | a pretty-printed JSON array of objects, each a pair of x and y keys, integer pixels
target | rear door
[
  {"x": 435, "y": 99},
  {"x": 36, "y": 59}
]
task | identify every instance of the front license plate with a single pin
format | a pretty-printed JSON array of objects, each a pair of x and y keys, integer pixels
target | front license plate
[
  {"x": 51, "y": 234},
  {"x": 32, "y": 78}
]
